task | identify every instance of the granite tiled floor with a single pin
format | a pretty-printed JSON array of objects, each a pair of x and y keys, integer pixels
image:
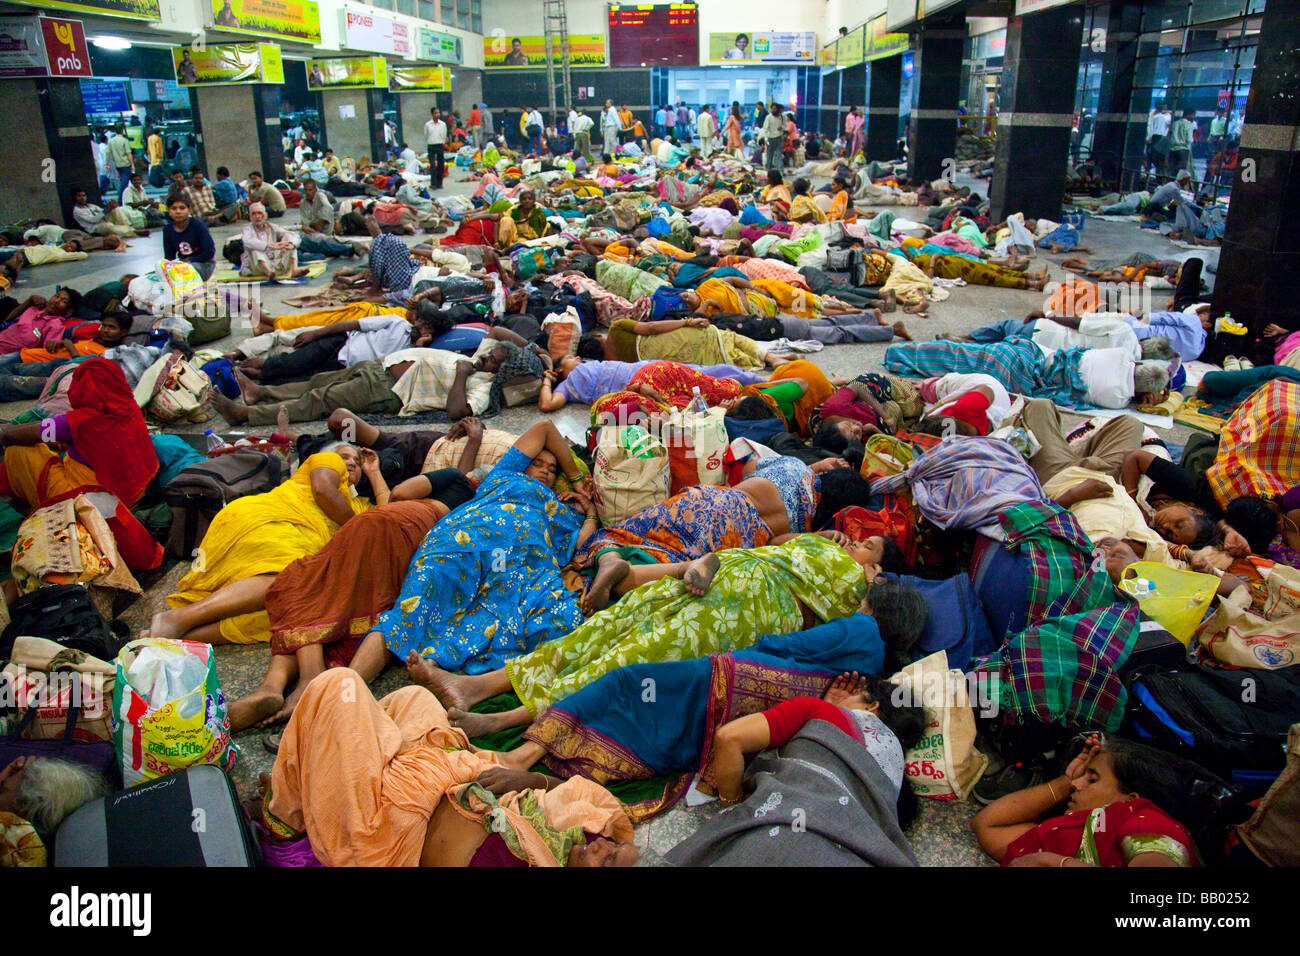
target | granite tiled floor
[{"x": 940, "y": 835}]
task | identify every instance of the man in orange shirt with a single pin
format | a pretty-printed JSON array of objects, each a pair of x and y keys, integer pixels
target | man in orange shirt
[{"x": 475, "y": 126}]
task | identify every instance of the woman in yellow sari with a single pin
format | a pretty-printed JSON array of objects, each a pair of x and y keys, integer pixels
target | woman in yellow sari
[
  {"x": 223, "y": 598},
  {"x": 342, "y": 313},
  {"x": 802, "y": 208},
  {"x": 721, "y": 296}
]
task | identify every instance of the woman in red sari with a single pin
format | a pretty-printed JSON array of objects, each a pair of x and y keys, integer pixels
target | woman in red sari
[
  {"x": 108, "y": 450},
  {"x": 1113, "y": 795}
]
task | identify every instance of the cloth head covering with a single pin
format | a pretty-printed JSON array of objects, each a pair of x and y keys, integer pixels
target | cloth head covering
[
  {"x": 108, "y": 429},
  {"x": 971, "y": 408}
]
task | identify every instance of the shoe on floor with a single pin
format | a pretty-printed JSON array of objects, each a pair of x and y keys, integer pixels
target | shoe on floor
[
  {"x": 1232, "y": 364},
  {"x": 1011, "y": 778},
  {"x": 1245, "y": 363}
]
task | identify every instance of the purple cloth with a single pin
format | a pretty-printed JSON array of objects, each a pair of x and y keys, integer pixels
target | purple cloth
[
  {"x": 966, "y": 482},
  {"x": 296, "y": 852}
]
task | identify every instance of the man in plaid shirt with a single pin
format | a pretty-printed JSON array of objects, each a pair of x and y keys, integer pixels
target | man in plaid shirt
[{"x": 199, "y": 195}]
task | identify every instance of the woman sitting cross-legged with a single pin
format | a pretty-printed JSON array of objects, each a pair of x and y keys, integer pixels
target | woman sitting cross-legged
[
  {"x": 222, "y": 600},
  {"x": 714, "y": 604},
  {"x": 1122, "y": 803},
  {"x": 322, "y": 607}
]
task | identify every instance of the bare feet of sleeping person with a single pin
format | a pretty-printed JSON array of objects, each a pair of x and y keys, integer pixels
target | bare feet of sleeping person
[
  {"x": 610, "y": 569},
  {"x": 251, "y": 391},
  {"x": 699, "y": 574},
  {"x": 233, "y": 413},
  {"x": 445, "y": 685},
  {"x": 901, "y": 331},
  {"x": 254, "y": 708},
  {"x": 282, "y": 425},
  {"x": 478, "y": 725}
]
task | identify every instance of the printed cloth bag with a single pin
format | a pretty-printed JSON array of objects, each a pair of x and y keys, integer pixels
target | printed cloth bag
[
  {"x": 625, "y": 481},
  {"x": 944, "y": 764},
  {"x": 55, "y": 679},
  {"x": 697, "y": 447},
  {"x": 168, "y": 710}
]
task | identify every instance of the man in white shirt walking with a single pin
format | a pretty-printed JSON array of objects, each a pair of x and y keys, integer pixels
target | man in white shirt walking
[
  {"x": 610, "y": 124},
  {"x": 435, "y": 136},
  {"x": 580, "y": 127}
]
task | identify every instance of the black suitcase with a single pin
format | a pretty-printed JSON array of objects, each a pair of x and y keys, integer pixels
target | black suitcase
[
  {"x": 188, "y": 818},
  {"x": 65, "y": 614},
  {"x": 199, "y": 491}
]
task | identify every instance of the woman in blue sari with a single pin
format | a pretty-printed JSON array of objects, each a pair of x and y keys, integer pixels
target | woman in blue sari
[
  {"x": 647, "y": 720},
  {"x": 485, "y": 585}
]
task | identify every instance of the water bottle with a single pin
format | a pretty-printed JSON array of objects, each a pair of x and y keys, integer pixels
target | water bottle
[
  {"x": 214, "y": 441},
  {"x": 698, "y": 405}
]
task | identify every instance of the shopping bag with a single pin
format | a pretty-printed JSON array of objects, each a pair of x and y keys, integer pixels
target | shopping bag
[
  {"x": 697, "y": 447},
  {"x": 55, "y": 680},
  {"x": 1238, "y": 638},
  {"x": 630, "y": 472},
  {"x": 944, "y": 764},
  {"x": 168, "y": 710}
]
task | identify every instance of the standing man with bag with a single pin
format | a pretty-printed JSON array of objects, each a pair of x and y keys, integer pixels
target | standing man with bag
[{"x": 435, "y": 135}]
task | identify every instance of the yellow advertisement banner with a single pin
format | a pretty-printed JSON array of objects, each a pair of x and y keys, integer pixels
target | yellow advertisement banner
[
  {"x": 348, "y": 71},
  {"x": 228, "y": 63},
  {"x": 138, "y": 9},
  {"x": 879, "y": 43},
  {"x": 828, "y": 55},
  {"x": 504, "y": 50},
  {"x": 850, "y": 48},
  {"x": 291, "y": 19},
  {"x": 422, "y": 79}
]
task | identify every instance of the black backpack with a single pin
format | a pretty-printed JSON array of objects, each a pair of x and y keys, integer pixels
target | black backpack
[
  {"x": 201, "y": 490},
  {"x": 65, "y": 614},
  {"x": 1233, "y": 721}
]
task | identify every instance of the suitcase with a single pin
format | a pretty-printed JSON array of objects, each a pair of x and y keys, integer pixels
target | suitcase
[{"x": 190, "y": 818}]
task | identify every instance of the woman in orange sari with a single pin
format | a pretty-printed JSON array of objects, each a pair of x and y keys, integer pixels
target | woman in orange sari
[{"x": 796, "y": 411}]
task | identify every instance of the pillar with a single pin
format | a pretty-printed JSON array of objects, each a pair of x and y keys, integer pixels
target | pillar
[
  {"x": 1259, "y": 266},
  {"x": 1121, "y": 123},
  {"x": 414, "y": 108},
  {"x": 932, "y": 136},
  {"x": 884, "y": 87},
  {"x": 361, "y": 131},
  {"x": 226, "y": 115},
  {"x": 467, "y": 91},
  {"x": 1035, "y": 110},
  {"x": 45, "y": 151}
]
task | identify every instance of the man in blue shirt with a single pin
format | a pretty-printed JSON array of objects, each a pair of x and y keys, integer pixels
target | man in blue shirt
[
  {"x": 1184, "y": 330},
  {"x": 226, "y": 192}
]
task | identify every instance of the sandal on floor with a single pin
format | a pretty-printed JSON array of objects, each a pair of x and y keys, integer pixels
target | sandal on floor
[{"x": 272, "y": 743}]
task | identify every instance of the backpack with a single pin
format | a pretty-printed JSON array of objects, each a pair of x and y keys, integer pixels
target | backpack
[
  {"x": 1199, "y": 713},
  {"x": 65, "y": 614},
  {"x": 201, "y": 490}
]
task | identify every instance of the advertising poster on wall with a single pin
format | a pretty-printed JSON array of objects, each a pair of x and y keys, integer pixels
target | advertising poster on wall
[
  {"x": 290, "y": 19},
  {"x": 419, "y": 79},
  {"x": 880, "y": 44},
  {"x": 736, "y": 48},
  {"x": 439, "y": 47},
  {"x": 850, "y": 49},
  {"x": 350, "y": 71},
  {"x": 368, "y": 31},
  {"x": 139, "y": 9},
  {"x": 228, "y": 63},
  {"x": 503, "y": 50}
]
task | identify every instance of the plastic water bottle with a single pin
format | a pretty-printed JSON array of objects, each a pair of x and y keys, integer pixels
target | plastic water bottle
[
  {"x": 698, "y": 404},
  {"x": 214, "y": 441}
]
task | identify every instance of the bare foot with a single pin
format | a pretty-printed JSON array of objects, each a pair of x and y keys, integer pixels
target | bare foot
[
  {"x": 901, "y": 331},
  {"x": 300, "y": 272},
  {"x": 251, "y": 391},
  {"x": 610, "y": 569},
  {"x": 282, "y": 424},
  {"x": 233, "y": 414},
  {"x": 254, "y": 708},
  {"x": 285, "y": 710},
  {"x": 444, "y": 685},
  {"x": 477, "y": 725},
  {"x": 372, "y": 227},
  {"x": 699, "y": 575},
  {"x": 888, "y": 300},
  {"x": 163, "y": 626}
]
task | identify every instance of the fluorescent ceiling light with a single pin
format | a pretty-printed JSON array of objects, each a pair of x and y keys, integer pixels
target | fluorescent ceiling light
[{"x": 111, "y": 43}]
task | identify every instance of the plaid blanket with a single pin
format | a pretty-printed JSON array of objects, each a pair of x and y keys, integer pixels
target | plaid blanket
[
  {"x": 1259, "y": 447},
  {"x": 1018, "y": 364},
  {"x": 1063, "y": 667}
]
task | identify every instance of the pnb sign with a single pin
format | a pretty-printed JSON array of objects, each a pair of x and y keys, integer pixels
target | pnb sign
[{"x": 65, "y": 47}]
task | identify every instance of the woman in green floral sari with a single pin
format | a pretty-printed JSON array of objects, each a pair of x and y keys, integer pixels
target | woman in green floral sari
[{"x": 717, "y": 603}]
